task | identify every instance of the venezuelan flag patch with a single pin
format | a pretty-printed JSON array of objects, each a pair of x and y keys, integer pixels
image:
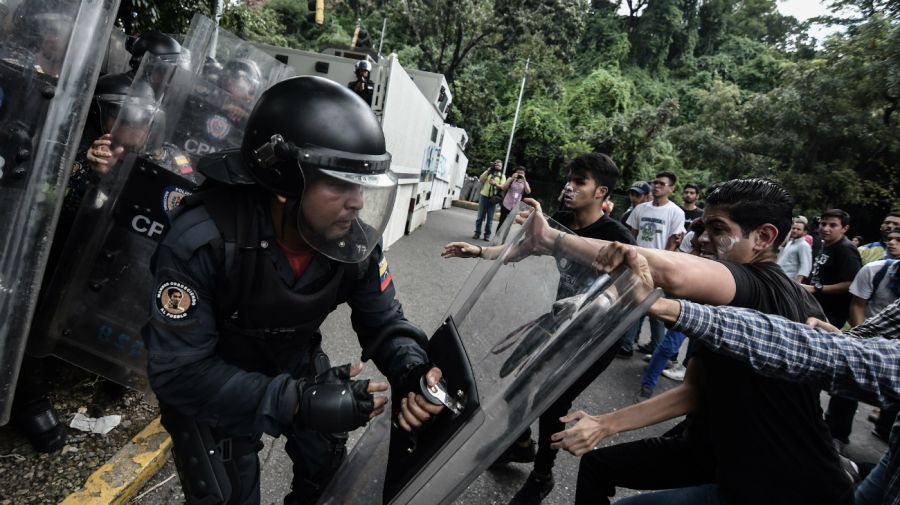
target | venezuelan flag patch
[{"x": 384, "y": 273}]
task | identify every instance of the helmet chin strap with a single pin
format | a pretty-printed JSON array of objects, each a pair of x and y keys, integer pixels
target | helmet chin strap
[{"x": 291, "y": 214}]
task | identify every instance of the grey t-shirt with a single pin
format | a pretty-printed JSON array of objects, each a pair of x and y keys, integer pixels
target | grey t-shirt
[{"x": 878, "y": 297}]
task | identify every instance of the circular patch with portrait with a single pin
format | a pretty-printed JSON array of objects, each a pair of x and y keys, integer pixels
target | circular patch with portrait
[{"x": 174, "y": 300}]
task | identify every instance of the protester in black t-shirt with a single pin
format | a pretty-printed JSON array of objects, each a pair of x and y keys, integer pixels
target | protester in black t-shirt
[
  {"x": 689, "y": 196},
  {"x": 591, "y": 178},
  {"x": 751, "y": 439},
  {"x": 833, "y": 270},
  {"x": 834, "y": 267}
]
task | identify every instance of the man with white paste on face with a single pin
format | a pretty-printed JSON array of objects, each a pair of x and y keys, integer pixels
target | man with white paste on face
[{"x": 750, "y": 439}]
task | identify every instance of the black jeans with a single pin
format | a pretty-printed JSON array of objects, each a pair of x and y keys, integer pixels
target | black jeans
[
  {"x": 648, "y": 464},
  {"x": 839, "y": 417}
]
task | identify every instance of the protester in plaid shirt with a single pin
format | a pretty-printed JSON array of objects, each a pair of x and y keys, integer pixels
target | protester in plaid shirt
[{"x": 863, "y": 363}]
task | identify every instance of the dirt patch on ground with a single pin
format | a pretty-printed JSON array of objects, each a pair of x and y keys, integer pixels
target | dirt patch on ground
[{"x": 29, "y": 477}]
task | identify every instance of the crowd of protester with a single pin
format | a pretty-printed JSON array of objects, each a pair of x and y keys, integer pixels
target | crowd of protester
[{"x": 754, "y": 431}]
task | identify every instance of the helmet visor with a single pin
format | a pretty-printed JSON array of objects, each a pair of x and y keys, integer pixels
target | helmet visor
[{"x": 343, "y": 214}]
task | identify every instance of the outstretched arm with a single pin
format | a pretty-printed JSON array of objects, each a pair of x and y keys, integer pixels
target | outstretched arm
[
  {"x": 867, "y": 369},
  {"x": 467, "y": 250},
  {"x": 681, "y": 275},
  {"x": 590, "y": 430}
]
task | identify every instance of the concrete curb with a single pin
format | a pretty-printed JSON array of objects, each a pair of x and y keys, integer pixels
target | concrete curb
[
  {"x": 464, "y": 204},
  {"x": 123, "y": 475}
]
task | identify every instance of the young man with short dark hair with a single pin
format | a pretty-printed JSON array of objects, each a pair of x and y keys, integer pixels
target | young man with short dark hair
[
  {"x": 878, "y": 250},
  {"x": 834, "y": 267},
  {"x": 689, "y": 196},
  {"x": 751, "y": 439},
  {"x": 591, "y": 178}
]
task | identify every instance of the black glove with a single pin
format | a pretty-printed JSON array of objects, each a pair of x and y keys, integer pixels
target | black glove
[{"x": 332, "y": 402}]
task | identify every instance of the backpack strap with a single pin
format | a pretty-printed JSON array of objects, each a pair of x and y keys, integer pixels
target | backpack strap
[{"x": 881, "y": 274}]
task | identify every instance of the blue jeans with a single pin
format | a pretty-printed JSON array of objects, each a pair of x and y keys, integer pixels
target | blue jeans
[
  {"x": 666, "y": 350},
  {"x": 485, "y": 207},
  {"x": 871, "y": 490},
  {"x": 706, "y": 494},
  {"x": 657, "y": 330}
]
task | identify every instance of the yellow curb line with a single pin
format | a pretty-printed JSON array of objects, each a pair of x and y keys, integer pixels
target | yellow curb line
[{"x": 124, "y": 474}]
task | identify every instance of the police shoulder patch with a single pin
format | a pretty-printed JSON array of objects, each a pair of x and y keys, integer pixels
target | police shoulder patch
[{"x": 175, "y": 300}]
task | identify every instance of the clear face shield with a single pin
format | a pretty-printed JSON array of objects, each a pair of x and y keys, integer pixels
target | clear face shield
[
  {"x": 131, "y": 121},
  {"x": 343, "y": 214}
]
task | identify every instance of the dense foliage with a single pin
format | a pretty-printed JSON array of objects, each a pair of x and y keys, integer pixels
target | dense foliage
[{"x": 708, "y": 88}]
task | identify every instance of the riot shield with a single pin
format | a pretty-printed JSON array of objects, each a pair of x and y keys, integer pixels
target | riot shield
[
  {"x": 98, "y": 298},
  {"x": 233, "y": 77},
  {"x": 503, "y": 367},
  {"x": 48, "y": 67}
]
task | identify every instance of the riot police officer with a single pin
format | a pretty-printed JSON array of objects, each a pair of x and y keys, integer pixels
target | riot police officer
[
  {"x": 158, "y": 44},
  {"x": 246, "y": 274},
  {"x": 164, "y": 48},
  {"x": 213, "y": 116},
  {"x": 363, "y": 85}
]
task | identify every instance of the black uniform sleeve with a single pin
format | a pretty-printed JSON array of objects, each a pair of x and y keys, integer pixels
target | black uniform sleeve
[
  {"x": 374, "y": 306},
  {"x": 184, "y": 370}
]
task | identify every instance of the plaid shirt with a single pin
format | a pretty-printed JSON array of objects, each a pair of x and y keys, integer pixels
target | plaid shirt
[{"x": 863, "y": 363}]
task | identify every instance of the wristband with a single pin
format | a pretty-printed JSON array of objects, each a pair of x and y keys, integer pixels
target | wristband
[{"x": 480, "y": 250}]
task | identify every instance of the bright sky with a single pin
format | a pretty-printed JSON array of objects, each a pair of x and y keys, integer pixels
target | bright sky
[
  {"x": 800, "y": 9},
  {"x": 805, "y": 9}
]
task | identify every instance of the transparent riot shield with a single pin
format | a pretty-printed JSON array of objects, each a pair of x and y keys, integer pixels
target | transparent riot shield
[
  {"x": 98, "y": 298},
  {"x": 518, "y": 334},
  {"x": 233, "y": 76},
  {"x": 48, "y": 67}
]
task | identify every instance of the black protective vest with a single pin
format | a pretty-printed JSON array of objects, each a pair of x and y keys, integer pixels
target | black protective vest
[{"x": 258, "y": 315}]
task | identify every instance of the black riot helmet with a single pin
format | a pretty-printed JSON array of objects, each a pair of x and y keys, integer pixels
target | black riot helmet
[
  {"x": 242, "y": 68},
  {"x": 116, "y": 97},
  {"x": 308, "y": 136},
  {"x": 242, "y": 79},
  {"x": 363, "y": 65},
  {"x": 156, "y": 43}
]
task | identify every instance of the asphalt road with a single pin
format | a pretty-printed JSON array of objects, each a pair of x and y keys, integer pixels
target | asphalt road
[{"x": 427, "y": 284}]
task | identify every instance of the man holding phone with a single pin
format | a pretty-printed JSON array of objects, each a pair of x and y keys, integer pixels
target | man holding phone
[{"x": 491, "y": 183}]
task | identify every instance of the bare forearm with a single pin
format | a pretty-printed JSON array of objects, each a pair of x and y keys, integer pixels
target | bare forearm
[
  {"x": 857, "y": 313},
  {"x": 836, "y": 289},
  {"x": 692, "y": 277},
  {"x": 669, "y": 405}
]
